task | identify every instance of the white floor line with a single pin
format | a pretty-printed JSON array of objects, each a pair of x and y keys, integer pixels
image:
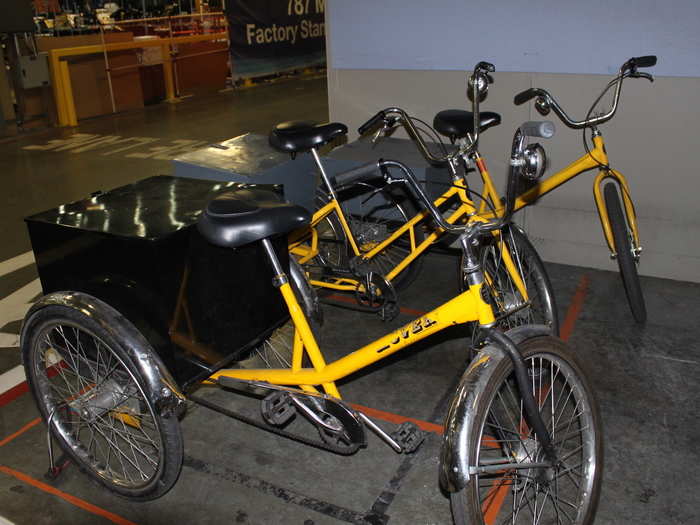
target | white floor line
[
  {"x": 20, "y": 261},
  {"x": 15, "y": 305},
  {"x": 11, "y": 379},
  {"x": 9, "y": 340},
  {"x": 5, "y": 521}
]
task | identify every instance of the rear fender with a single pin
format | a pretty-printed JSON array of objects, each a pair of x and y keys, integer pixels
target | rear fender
[{"x": 161, "y": 388}]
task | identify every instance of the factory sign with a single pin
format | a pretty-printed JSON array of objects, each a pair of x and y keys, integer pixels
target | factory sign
[{"x": 274, "y": 36}]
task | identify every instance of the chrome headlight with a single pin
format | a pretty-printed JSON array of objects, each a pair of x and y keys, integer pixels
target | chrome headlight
[{"x": 534, "y": 161}]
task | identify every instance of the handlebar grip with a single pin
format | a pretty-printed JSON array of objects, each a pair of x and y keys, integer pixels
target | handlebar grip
[
  {"x": 367, "y": 171},
  {"x": 371, "y": 123},
  {"x": 543, "y": 129},
  {"x": 524, "y": 96},
  {"x": 645, "y": 61}
]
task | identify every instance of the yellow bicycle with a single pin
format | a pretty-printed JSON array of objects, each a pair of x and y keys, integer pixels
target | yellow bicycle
[
  {"x": 523, "y": 437},
  {"x": 367, "y": 238},
  {"x": 617, "y": 216}
]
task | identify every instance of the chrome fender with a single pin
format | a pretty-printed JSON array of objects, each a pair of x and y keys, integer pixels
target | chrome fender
[
  {"x": 454, "y": 458},
  {"x": 161, "y": 388}
]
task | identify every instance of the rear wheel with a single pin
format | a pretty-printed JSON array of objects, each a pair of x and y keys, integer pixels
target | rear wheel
[
  {"x": 332, "y": 245},
  {"x": 503, "y": 292},
  {"x": 276, "y": 351},
  {"x": 626, "y": 258},
  {"x": 566, "y": 493},
  {"x": 97, "y": 404},
  {"x": 374, "y": 214}
]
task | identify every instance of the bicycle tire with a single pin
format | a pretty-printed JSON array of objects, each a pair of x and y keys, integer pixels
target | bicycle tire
[
  {"x": 625, "y": 258},
  {"x": 276, "y": 350},
  {"x": 333, "y": 248},
  {"x": 503, "y": 293},
  {"x": 101, "y": 414},
  {"x": 567, "y": 493},
  {"x": 374, "y": 214}
]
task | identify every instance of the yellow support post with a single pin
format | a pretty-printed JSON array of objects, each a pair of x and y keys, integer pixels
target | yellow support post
[
  {"x": 57, "y": 85},
  {"x": 69, "y": 101},
  {"x": 168, "y": 74}
]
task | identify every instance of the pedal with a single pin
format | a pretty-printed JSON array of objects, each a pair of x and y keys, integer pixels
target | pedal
[
  {"x": 409, "y": 436},
  {"x": 389, "y": 311},
  {"x": 277, "y": 408}
]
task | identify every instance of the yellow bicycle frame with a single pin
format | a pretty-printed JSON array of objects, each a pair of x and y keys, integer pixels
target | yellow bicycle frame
[
  {"x": 587, "y": 162},
  {"x": 466, "y": 307},
  {"x": 304, "y": 244}
]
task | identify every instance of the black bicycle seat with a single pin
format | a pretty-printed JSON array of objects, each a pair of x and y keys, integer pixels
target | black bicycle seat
[
  {"x": 457, "y": 123},
  {"x": 247, "y": 215},
  {"x": 298, "y": 136}
]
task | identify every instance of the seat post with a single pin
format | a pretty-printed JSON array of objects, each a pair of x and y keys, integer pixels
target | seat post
[
  {"x": 324, "y": 175},
  {"x": 280, "y": 277}
]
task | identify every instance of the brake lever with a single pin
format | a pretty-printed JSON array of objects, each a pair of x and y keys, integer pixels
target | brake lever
[
  {"x": 641, "y": 74},
  {"x": 388, "y": 127}
]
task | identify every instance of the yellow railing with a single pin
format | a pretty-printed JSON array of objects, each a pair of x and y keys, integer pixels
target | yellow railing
[{"x": 60, "y": 77}]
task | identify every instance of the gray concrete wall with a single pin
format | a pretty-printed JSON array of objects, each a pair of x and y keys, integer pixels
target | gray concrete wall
[{"x": 653, "y": 140}]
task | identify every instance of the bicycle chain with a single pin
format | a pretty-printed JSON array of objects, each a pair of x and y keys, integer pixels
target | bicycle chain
[{"x": 344, "y": 451}]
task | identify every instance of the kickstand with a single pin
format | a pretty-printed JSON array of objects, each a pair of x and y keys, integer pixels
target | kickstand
[{"x": 53, "y": 472}]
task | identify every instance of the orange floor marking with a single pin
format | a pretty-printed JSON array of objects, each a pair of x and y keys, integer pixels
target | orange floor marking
[
  {"x": 494, "y": 501},
  {"x": 395, "y": 418},
  {"x": 94, "y": 509},
  {"x": 21, "y": 431},
  {"x": 350, "y": 300},
  {"x": 575, "y": 307}
]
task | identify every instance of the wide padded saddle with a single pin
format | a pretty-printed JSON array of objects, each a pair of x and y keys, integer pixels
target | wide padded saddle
[
  {"x": 298, "y": 136},
  {"x": 247, "y": 215},
  {"x": 457, "y": 123}
]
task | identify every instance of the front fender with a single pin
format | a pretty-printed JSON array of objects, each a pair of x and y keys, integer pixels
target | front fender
[
  {"x": 161, "y": 388},
  {"x": 454, "y": 454}
]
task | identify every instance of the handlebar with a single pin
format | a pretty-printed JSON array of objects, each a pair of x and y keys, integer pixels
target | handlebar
[
  {"x": 545, "y": 101},
  {"x": 389, "y": 117}
]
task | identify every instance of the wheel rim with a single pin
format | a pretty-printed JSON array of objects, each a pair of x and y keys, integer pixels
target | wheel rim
[
  {"x": 557, "y": 495},
  {"x": 96, "y": 406},
  {"x": 377, "y": 219},
  {"x": 331, "y": 246},
  {"x": 503, "y": 291},
  {"x": 274, "y": 352}
]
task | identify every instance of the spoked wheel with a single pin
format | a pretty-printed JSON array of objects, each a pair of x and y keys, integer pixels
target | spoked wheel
[
  {"x": 498, "y": 492},
  {"x": 373, "y": 215},
  {"x": 276, "y": 351},
  {"x": 332, "y": 245},
  {"x": 503, "y": 292},
  {"x": 96, "y": 404},
  {"x": 626, "y": 258}
]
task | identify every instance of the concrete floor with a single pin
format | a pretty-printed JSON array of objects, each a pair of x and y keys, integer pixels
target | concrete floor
[{"x": 646, "y": 379}]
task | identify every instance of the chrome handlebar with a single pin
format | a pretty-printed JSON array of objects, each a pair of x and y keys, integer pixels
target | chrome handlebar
[
  {"x": 545, "y": 101},
  {"x": 477, "y": 86}
]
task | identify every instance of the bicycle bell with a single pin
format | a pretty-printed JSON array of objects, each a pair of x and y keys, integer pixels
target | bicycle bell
[
  {"x": 535, "y": 161},
  {"x": 542, "y": 106}
]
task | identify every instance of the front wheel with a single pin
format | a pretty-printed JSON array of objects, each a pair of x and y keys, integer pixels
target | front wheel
[
  {"x": 566, "y": 493},
  {"x": 97, "y": 404},
  {"x": 540, "y": 307},
  {"x": 626, "y": 258}
]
